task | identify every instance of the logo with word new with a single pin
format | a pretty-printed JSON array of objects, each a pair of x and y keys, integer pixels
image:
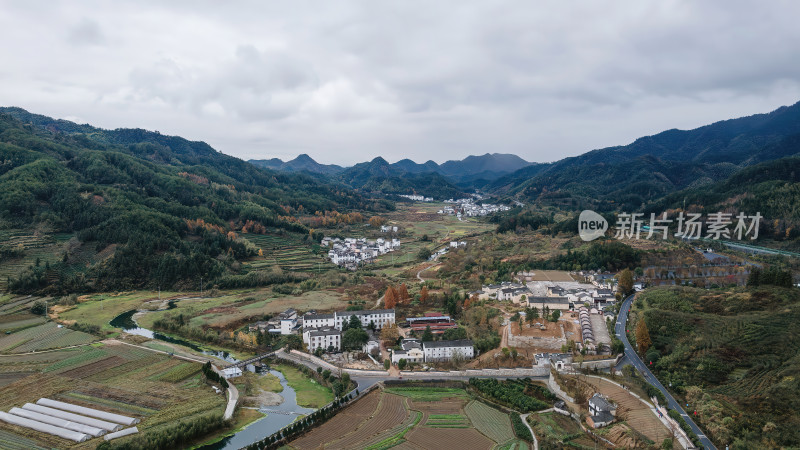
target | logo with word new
[{"x": 591, "y": 225}]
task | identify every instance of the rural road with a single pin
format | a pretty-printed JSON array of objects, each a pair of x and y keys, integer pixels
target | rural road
[{"x": 637, "y": 362}]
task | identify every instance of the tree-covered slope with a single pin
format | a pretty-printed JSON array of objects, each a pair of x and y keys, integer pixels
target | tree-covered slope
[
  {"x": 170, "y": 208},
  {"x": 629, "y": 177}
]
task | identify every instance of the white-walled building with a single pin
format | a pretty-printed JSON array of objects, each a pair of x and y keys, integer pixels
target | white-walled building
[
  {"x": 232, "y": 372},
  {"x": 324, "y": 338},
  {"x": 328, "y": 323},
  {"x": 411, "y": 352},
  {"x": 444, "y": 350}
]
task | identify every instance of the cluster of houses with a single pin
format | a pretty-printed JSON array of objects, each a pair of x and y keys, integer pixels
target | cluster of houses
[
  {"x": 556, "y": 297},
  {"x": 388, "y": 229},
  {"x": 325, "y": 330},
  {"x": 284, "y": 323},
  {"x": 414, "y": 351},
  {"x": 416, "y": 198},
  {"x": 350, "y": 252},
  {"x": 466, "y": 207}
]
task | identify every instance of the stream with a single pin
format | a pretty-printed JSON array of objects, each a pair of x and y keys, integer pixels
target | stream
[{"x": 276, "y": 417}]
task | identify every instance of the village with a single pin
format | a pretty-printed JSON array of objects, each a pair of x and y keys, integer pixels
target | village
[
  {"x": 467, "y": 207},
  {"x": 352, "y": 252}
]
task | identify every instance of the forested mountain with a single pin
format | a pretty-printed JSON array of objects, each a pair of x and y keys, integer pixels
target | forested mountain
[
  {"x": 630, "y": 176},
  {"x": 302, "y": 163},
  {"x": 771, "y": 188},
  {"x": 471, "y": 172},
  {"x": 380, "y": 176},
  {"x": 163, "y": 208}
]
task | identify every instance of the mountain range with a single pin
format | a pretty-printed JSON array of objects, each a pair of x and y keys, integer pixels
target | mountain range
[{"x": 473, "y": 171}]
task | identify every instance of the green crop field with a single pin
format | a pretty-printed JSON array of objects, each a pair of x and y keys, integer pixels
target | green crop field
[
  {"x": 42, "y": 337},
  {"x": 427, "y": 394},
  {"x": 493, "y": 423}
]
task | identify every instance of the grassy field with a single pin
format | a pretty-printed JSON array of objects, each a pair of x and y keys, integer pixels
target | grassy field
[
  {"x": 310, "y": 394},
  {"x": 112, "y": 377},
  {"x": 236, "y": 306},
  {"x": 555, "y": 430},
  {"x": 100, "y": 309}
]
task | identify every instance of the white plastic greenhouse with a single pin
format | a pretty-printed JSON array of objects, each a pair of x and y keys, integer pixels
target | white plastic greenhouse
[
  {"x": 119, "y": 434},
  {"x": 63, "y": 423},
  {"x": 111, "y": 417},
  {"x": 73, "y": 417},
  {"x": 43, "y": 427}
]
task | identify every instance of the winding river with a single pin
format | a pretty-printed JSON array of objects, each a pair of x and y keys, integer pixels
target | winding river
[{"x": 276, "y": 417}]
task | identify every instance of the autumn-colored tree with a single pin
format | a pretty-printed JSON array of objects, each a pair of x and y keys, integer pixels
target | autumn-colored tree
[
  {"x": 642, "y": 336},
  {"x": 423, "y": 294},
  {"x": 625, "y": 282},
  {"x": 390, "y": 334},
  {"x": 260, "y": 252},
  {"x": 377, "y": 221},
  {"x": 390, "y": 298},
  {"x": 403, "y": 294}
]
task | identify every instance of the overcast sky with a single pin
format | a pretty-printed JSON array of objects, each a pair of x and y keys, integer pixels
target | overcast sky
[{"x": 347, "y": 81}]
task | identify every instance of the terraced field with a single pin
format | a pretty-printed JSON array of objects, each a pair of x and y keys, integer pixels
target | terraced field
[
  {"x": 636, "y": 414},
  {"x": 288, "y": 252},
  {"x": 45, "y": 249}
]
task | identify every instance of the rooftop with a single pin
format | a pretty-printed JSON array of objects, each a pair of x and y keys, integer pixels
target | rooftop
[{"x": 445, "y": 344}]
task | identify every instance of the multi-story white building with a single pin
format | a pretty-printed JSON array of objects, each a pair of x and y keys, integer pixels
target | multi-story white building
[
  {"x": 379, "y": 317},
  {"x": 445, "y": 350},
  {"x": 324, "y": 338},
  {"x": 328, "y": 323}
]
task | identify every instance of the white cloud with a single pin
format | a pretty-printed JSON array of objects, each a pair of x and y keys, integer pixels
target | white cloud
[{"x": 349, "y": 81}]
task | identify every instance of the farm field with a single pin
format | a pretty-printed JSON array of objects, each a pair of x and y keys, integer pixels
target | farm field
[
  {"x": 287, "y": 252},
  {"x": 236, "y": 306},
  {"x": 45, "y": 249},
  {"x": 556, "y": 429},
  {"x": 110, "y": 376},
  {"x": 636, "y": 414},
  {"x": 42, "y": 337},
  {"x": 414, "y": 418}
]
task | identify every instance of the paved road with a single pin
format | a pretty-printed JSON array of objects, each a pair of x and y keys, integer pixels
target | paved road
[{"x": 632, "y": 357}]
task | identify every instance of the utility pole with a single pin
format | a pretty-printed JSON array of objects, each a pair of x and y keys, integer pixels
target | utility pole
[{"x": 201, "y": 286}]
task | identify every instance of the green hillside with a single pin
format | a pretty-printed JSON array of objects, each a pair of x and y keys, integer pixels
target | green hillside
[
  {"x": 733, "y": 356},
  {"x": 137, "y": 208}
]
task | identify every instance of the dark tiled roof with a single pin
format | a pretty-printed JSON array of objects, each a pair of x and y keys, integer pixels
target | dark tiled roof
[{"x": 443, "y": 344}]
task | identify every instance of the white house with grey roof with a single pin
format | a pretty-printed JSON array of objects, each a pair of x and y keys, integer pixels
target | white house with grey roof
[
  {"x": 601, "y": 411},
  {"x": 445, "y": 350},
  {"x": 324, "y": 338}
]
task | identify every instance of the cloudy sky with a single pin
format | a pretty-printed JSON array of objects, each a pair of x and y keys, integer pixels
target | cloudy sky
[{"x": 347, "y": 81}]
